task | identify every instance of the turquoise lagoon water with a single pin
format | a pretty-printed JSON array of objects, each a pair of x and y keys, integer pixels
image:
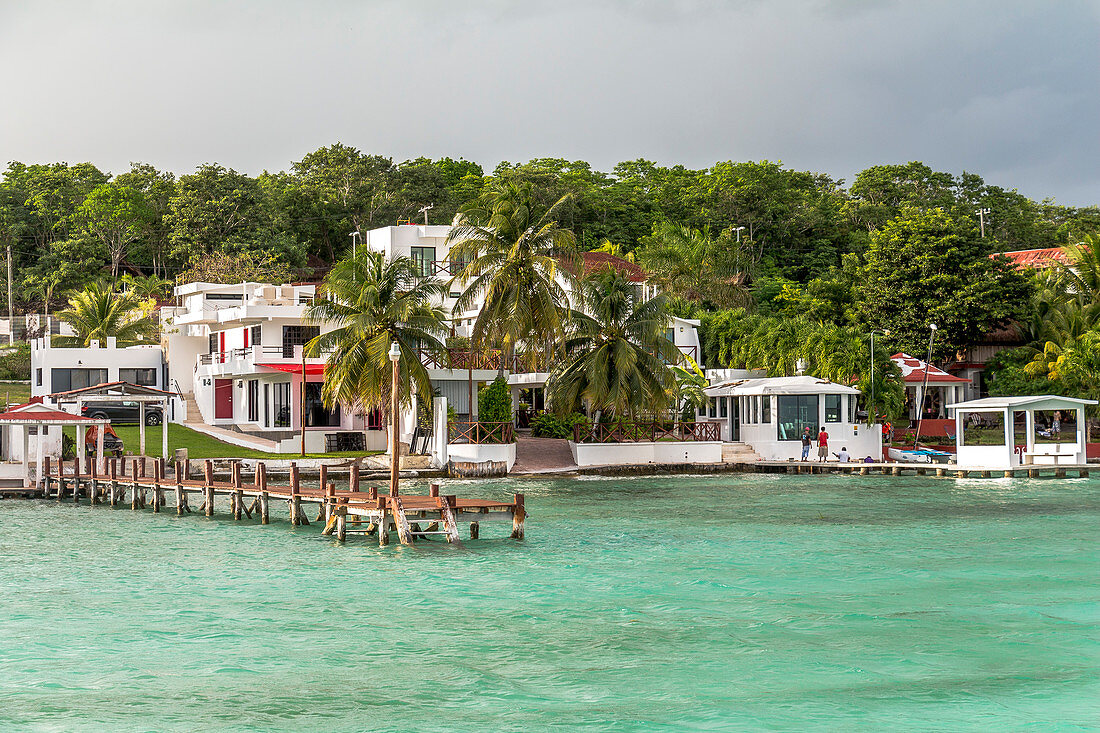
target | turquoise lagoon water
[{"x": 735, "y": 603}]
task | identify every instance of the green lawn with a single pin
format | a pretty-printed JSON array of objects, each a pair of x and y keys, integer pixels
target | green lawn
[
  {"x": 200, "y": 445},
  {"x": 16, "y": 393}
]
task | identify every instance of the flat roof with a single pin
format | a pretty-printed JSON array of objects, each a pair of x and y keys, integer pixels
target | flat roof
[
  {"x": 1001, "y": 403},
  {"x": 778, "y": 386}
]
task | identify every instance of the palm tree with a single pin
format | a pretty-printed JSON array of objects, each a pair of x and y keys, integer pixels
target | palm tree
[
  {"x": 99, "y": 311},
  {"x": 617, "y": 354},
  {"x": 372, "y": 303},
  {"x": 691, "y": 264},
  {"x": 147, "y": 286},
  {"x": 518, "y": 265}
]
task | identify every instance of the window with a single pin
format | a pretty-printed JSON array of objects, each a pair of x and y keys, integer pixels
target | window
[
  {"x": 33, "y": 429},
  {"x": 796, "y": 413},
  {"x": 317, "y": 415},
  {"x": 38, "y": 376},
  {"x": 424, "y": 257},
  {"x": 255, "y": 340},
  {"x": 983, "y": 428},
  {"x": 281, "y": 411},
  {"x": 454, "y": 294},
  {"x": 144, "y": 377},
  {"x": 253, "y": 400},
  {"x": 62, "y": 380},
  {"x": 711, "y": 408},
  {"x": 832, "y": 408},
  {"x": 723, "y": 406},
  {"x": 267, "y": 405},
  {"x": 297, "y": 336},
  {"x": 852, "y": 408},
  {"x": 766, "y": 412},
  {"x": 224, "y": 296},
  {"x": 213, "y": 344}
]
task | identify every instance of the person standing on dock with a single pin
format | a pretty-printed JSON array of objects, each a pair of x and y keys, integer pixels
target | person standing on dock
[
  {"x": 822, "y": 446},
  {"x": 807, "y": 441}
]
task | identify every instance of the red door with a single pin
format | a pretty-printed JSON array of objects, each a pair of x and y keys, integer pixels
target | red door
[{"x": 223, "y": 399}]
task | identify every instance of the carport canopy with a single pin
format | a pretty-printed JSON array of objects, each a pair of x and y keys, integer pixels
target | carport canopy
[{"x": 111, "y": 392}]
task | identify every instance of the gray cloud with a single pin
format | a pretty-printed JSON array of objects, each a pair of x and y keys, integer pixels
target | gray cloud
[{"x": 1010, "y": 90}]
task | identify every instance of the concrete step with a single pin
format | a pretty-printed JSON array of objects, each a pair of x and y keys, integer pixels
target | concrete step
[{"x": 738, "y": 453}]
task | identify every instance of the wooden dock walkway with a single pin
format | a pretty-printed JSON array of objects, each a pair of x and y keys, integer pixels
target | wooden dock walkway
[
  {"x": 340, "y": 512},
  {"x": 1080, "y": 470}
]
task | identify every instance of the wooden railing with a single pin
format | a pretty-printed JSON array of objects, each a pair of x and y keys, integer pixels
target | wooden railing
[
  {"x": 461, "y": 359},
  {"x": 481, "y": 432},
  {"x": 645, "y": 431}
]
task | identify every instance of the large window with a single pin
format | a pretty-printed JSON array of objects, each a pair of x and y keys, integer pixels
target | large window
[
  {"x": 796, "y": 413},
  {"x": 832, "y": 407},
  {"x": 62, "y": 380},
  {"x": 145, "y": 377},
  {"x": 983, "y": 428},
  {"x": 424, "y": 257},
  {"x": 766, "y": 413},
  {"x": 317, "y": 415},
  {"x": 297, "y": 336},
  {"x": 1055, "y": 426},
  {"x": 280, "y": 413}
]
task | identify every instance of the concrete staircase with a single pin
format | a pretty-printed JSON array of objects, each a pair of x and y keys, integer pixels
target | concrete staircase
[
  {"x": 193, "y": 414},
  {"x": 739, "y": 453}
]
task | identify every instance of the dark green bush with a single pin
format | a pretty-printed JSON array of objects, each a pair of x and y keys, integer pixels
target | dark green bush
[
  {"x": 549, "y": 425},
  {"x": 494, "y": 403},
  {"x": 15, "y": 363}
]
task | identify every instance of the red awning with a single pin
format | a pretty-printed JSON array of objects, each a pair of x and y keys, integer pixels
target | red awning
[{"x": 313, "y": 369}]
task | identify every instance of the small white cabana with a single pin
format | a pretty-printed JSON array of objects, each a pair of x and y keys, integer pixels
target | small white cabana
[
  {"x": 1002, "y": 432},
  {"x": 15, "y": 435}
]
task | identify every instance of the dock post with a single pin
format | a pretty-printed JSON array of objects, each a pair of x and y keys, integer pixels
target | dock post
[
  {"x": 941, "y": 471},
  {"x": 330, "y": 500},
  {"x": 518, "y": 515},
  {"x": 142, "y": 469},
  {"x": 1059, "y": 473},
  {"x": 447, "y": 506},
  {"x": 156, "y": 487},
  {"x": 112, "y": 492},
  {"x": 383, "y": 525},
  {"x": 133, "y": 486},
  {"x": 1083, "y": 473},
  {"x": 1033, "y": 473},
  {"x": 295, "y": 498},
  {"x": 76, "y": 478},
  {"x": 341, "y": 522},
  {"x": 961, "y": 474},
  {"x": 45, "y": 477},
  {"x": 238, "y": 496},
  {"x": 261, "y": 480},
  {"x": 353, "y": 477},
  {"x": 208, "y": 487},
  {"x": 93, "y": 483},
  {"x": 180, "y": 501},
  {"x": 475, "y": 530},
  {"x": 984, "y": 474}
]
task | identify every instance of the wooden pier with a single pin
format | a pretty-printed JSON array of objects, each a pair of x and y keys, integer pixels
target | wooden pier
[
  {"x": 145, "y": 483},
  {"x": 925, "y": 469}
]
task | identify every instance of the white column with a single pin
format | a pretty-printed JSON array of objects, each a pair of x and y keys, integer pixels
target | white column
[
  {"x": 163, "y": 427},
  {"x": 38, "y": 468},
  {"x": 1029, "y": 426},
  {"x": 1082, "y": 436},
  {"x": 1009, "y": 438},
  {"x": 100, "y": 467},
  {"x": 81, "y": 435},
  {"x": 141, "y": 427},
  {"x": 26, "y": 454}
]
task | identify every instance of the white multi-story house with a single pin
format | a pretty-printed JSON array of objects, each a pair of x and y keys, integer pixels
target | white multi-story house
[{"x": 234, "y": 354}]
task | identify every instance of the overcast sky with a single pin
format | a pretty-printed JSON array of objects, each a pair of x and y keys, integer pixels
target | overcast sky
[{"x": 1009, "y": 90}]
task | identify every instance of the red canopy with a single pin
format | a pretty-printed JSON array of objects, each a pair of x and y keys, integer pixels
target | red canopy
[{"x": 296, "y": 368}]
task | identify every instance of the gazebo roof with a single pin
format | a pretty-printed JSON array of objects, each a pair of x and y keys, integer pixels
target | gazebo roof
[
  {"x": 778, "y": 386},
  {"x": 913, "y": 371},
  {"x": 34, "y": 413},
  {"x": 114, "y": 389},
  {"x": 1034, "y": 402}
]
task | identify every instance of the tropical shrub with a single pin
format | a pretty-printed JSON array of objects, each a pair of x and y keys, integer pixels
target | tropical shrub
[
  {"x": 549, "y": 425},
  {"x": 494, "y": 402}
]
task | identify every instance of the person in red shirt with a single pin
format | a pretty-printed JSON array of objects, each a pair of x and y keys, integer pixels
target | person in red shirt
[{"x": 822, "y": 446}]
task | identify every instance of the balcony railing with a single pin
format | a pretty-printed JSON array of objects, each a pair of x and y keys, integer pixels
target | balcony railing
[
  {"x": 645, "y": 431},
  {"x": 439, "y": 268},
  {"x": 278, "y": 353},
  {"x": 481, "y": 432}
]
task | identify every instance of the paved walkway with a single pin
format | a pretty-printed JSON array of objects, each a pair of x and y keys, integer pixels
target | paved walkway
[{"x": 542, "y": 455}]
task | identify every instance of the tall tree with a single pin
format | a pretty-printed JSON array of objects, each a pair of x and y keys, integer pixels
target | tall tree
[
  {"x": 928, "y": 267},
  {"x": 99, "y": 312},
  {"x": 617, "y": 354},
  {"x": 118, "y": 216},
  {"x": 518, "y": 262},
  {"x": 694, "y": 266},
  {"x": 371, "y": 303}
]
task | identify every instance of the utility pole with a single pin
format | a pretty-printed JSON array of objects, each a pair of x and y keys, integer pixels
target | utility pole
[
  {"x": 982, "y": 213},
  {"x": 424, "y": 210},
  {"x": 11, "y": 311}
]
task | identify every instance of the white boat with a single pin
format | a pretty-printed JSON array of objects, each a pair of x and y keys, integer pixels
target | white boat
[{"x": 918, "y": 455}]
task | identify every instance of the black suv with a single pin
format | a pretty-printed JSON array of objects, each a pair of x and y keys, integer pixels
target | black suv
[{"x": 121, "y": 413}]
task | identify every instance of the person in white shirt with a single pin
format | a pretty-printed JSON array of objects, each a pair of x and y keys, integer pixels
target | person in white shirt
[{"x": 843, "y": 456}]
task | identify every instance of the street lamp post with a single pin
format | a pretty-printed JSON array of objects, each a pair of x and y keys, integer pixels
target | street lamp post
[
  {"x": 395, "y": 453},
  {"x": 871, "y": 406},
  {"x": 924, "y": 383}
]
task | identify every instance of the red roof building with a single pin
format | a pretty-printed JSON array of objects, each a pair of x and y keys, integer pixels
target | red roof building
[{"x": 1035, "y": 259}]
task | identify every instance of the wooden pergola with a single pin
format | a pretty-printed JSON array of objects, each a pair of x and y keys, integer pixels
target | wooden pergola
[
  {"x": 113, "y": 392},
  {"x": 38, "y": 416}
]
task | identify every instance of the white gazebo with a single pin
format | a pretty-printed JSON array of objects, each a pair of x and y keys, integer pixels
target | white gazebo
[
  {"x": 16, "y": 427},
  {"x": 1003, "y": 432}
]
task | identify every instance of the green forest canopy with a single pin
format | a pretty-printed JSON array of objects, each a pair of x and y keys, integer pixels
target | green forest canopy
[{"x": 796, "y": 226}]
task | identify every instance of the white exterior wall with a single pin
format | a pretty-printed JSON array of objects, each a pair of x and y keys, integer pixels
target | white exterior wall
[
  {"x": 46, "y": 357},
  {"x": 632, "y": 454},
  {"x": 483, "y": 452}
]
